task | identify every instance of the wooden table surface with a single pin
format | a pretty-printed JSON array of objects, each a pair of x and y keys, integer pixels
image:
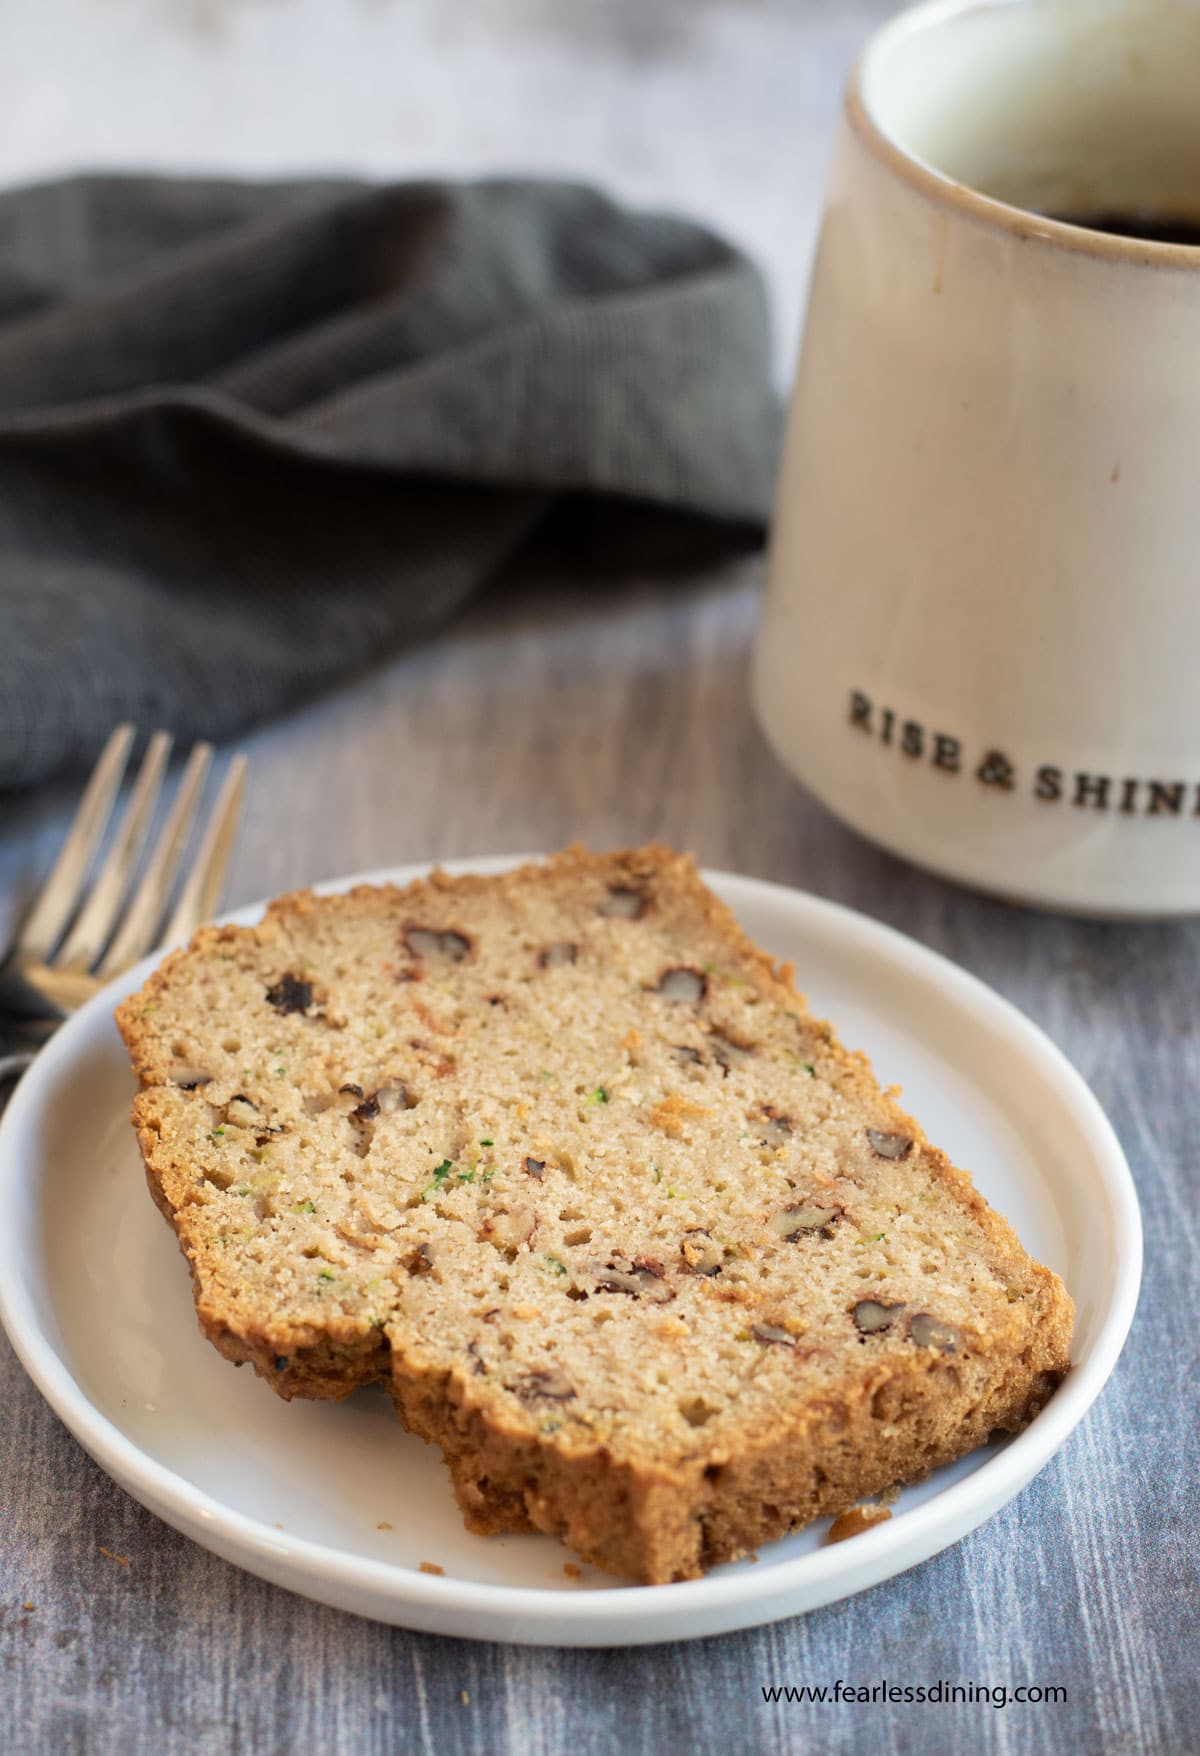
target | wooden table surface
[
  {"x": 615, "y": 713},
  {"x": 617, "y": 710}
]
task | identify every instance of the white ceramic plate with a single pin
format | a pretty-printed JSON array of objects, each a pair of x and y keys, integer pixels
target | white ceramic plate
[{"x": 96, "y": 1300}]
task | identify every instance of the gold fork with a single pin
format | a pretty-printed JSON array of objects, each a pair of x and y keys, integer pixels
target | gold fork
[{"x": 77, "y": 937}]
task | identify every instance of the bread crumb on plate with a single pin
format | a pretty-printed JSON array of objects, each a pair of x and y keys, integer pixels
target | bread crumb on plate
[{"x": 855, "y": 1520}]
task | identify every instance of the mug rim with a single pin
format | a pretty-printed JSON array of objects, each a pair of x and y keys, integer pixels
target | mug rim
[{"x": 947, "y": 191}]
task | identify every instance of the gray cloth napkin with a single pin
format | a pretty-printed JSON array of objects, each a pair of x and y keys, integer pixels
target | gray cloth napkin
[{"x": 253, "y": 436}]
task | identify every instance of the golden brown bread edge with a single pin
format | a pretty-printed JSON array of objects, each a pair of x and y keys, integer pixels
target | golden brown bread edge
[{"x": 648, "y": 1520}]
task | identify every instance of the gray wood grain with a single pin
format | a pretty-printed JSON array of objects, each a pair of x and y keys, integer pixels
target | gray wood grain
[{"x": 616, "y": 711}]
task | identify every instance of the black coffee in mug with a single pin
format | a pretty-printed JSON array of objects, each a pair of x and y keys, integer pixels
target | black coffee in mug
[{"x": 1143, "y": 223}]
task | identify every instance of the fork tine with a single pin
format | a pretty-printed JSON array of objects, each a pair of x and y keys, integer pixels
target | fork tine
[
  {"x": 138, "y": 930},
  {"x": 202, "y": 891},
  {"x": 87, "y": 937},
  {"x": 60, "y": 892}
]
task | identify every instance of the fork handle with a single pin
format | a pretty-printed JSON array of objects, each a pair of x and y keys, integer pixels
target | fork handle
[
  {"x": 26, "y": 1003},
  {"x": 12, "y": 1066},
  {"x": 18, "y": 1046}
]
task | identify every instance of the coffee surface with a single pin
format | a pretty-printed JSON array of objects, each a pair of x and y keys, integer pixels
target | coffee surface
[{"x": 1144, "y": 223}]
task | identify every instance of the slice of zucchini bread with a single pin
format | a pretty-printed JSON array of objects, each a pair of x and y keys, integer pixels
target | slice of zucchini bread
[{"x": 560, "y": 1157}]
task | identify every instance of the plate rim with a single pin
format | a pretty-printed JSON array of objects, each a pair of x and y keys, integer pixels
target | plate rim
[{"x": 715, "y": 1603}]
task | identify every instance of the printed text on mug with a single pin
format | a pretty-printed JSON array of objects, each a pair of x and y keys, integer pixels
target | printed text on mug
[{"x": 1050, "y": 783}]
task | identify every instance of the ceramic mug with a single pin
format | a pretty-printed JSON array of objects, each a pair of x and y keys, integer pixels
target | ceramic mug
[{"x": 981, "y": 638}]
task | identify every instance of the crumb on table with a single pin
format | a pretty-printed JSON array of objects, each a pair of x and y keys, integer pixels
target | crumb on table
[
  {"x": 383, "y": 1525},
  {"x": 431, "y": 1567},
  {"x": 855, "y": 1520},
  {"x": 121, "y": 1560},
  {"x": 572, "y": 1571},
  {"x": 464, "y": 1697},
  {"x": 27, "y": 1605}
]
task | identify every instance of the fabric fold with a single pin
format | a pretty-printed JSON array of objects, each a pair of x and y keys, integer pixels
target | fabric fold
[{"x": 254, "y": 436}]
